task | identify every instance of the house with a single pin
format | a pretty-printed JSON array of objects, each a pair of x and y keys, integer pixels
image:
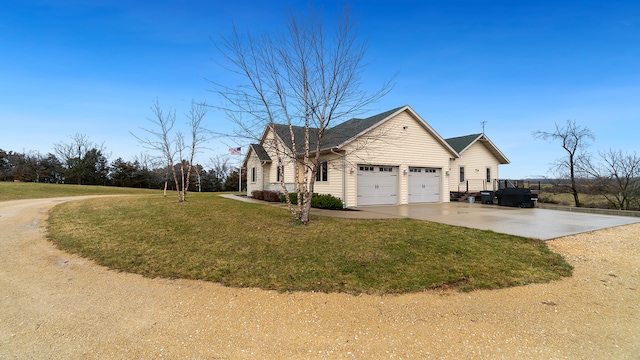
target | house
[
  {"x": 477, "y": 167},
  {"x": 391, "y": 158}
]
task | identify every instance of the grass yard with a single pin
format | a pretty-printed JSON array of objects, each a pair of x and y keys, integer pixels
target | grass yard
[
  {"x": 19, "y": 190},
  {"x": 254, "y": 245}
]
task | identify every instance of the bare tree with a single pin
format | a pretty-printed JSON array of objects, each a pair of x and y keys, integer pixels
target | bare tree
[
  {"x": 574, "y": 140},
  {"x": 161, "y": 140},
  {"x": 617, "y": 178},
  {"x": 172, "y": 146},
  {"x": 220, "y": 170},
  {"x": 197, "y": 112},
  {"x": 78, "y": 146},
  {"x": 79, "y": 156},
  {"x": 307, "y": 78}
]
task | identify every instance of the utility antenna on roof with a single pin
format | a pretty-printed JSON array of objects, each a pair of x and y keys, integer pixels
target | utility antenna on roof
[{"x": 483, "y": 122}]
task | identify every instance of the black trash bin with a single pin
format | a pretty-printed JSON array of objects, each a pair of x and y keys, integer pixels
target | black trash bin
[
  {"x": 517, "y": 197},
  {"x": 486, "y": 197}
]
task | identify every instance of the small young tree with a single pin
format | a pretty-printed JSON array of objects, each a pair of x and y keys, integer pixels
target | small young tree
[
  {"x": 308, "y": 78},
  {"x": 574, "y": 140},
  {"x": 197, "y": 112},
  {"x": 172, "y": 147}
]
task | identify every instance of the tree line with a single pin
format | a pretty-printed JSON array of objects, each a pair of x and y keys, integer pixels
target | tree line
[{"x": 82, "y": 162}]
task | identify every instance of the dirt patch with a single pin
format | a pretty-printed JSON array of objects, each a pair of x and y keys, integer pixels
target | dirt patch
[{"x": 55, "y": 305}]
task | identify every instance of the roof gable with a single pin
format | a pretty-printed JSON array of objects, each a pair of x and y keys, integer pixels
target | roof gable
[
  {"x": 261, "y": 153},
  {"x": 462, "y": 143},
  {"x": 350, "y": 129}
]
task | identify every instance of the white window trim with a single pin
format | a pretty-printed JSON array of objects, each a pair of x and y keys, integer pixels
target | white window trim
[{"x": 323, "y": 169}]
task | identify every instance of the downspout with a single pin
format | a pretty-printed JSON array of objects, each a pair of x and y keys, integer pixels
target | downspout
[{"x": 344, "y": 179}]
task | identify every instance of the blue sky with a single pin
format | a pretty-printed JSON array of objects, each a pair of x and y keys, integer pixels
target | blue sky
[{"x": 95, "y": 68}]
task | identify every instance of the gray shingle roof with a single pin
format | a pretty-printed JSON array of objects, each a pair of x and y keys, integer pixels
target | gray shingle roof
[
  {"x": 461, "y": 142},
  {"x": 334, "y": 136},
  {"x": 261, "y": 153},
  {"x": 298, "y": 133}
]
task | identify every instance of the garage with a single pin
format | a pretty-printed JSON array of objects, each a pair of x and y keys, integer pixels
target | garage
[
  {"x": 424, "y": 185},
  {"x": 377, "y": 185}
]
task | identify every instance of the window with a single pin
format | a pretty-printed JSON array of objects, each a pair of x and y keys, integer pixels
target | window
[
  {"x": 280, "y": 175},
  {"x": 461, "y": 173},
  {"x": 488, "y": 175},
  {"x": 323, "y": 172},
  {"x": 253, "y": 174},
  {"x": 366, "y": 168}
]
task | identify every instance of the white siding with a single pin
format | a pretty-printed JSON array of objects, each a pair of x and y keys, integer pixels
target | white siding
[
  {"x": 402, "y": 142},
  {"x": 334, "y": 182},
  {"x": 267, "y": 173},
  {"x": 275, "y": 151},
  {"x": 476, "y": 159},
  {"x": 254, "y": 163}
]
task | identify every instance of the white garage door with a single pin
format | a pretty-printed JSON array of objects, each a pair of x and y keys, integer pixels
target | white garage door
[
  {"x": 377, "y": 185},
  {"x": 424, "y": 185}
]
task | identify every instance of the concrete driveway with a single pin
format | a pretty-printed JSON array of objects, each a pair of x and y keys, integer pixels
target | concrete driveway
[
  {"x": 536, "y": 223},
  {"x": 543, "y": 224}
]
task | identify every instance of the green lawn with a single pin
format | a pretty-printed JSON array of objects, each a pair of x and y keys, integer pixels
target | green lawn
[
  {"x": 254, "y": 245},
  {"x": 19, "y": 190}
]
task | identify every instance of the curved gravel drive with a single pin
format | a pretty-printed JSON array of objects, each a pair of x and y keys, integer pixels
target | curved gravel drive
[{"x": 54, "y": 305}]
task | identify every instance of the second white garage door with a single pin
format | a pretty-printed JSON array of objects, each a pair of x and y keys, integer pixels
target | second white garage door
[
  {"x": 424, "y": 185},
  {"x": 377, "y": 185}
]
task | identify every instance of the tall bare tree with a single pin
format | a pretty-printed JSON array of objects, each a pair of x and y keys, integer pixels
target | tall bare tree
[
  {"x": 308, "y": 77},
  {"x": 574, "y": 139},
  {"x": 81, "y": 158},
  {"x": 173, "y": 147}
]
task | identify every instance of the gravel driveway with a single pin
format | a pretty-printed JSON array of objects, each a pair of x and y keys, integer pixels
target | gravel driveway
[{"x": 54, "y": 305}]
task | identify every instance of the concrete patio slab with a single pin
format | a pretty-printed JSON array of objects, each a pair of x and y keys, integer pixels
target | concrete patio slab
[{"x": 536, "y": 223}]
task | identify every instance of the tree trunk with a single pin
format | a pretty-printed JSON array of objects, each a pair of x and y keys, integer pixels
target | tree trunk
[{"x": 572, "y": 171}]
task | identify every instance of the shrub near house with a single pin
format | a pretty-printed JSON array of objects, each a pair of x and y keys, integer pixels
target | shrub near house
[
  {"x": 266, "y": 195},
  {"x": 318, "y": 201}
]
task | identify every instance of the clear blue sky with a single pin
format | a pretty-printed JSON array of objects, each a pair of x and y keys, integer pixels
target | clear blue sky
[{"x": 95, "y": 67}]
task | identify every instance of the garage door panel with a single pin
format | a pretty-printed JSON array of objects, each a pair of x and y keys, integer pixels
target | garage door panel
[
  {"x": 377, "y": 185},
  {"x": 424, "y": 185}
]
